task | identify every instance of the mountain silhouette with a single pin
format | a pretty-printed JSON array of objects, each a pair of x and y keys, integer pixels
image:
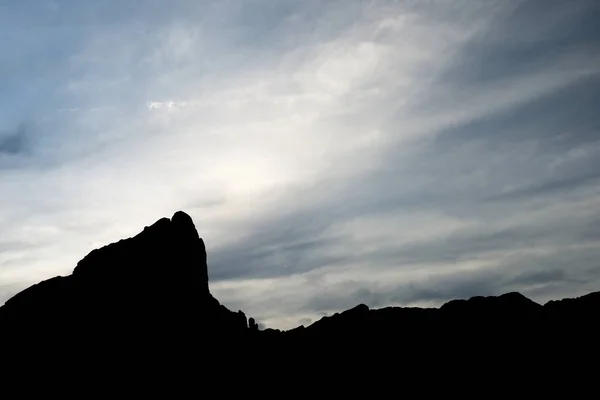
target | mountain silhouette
[{"x": 144, "y": 304}]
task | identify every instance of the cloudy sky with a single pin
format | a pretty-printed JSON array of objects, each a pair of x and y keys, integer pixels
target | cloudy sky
[{"x": 330, "y": 152}]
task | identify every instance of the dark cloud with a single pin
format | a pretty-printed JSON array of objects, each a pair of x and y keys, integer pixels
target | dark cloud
[
  {"x": 469, "y": 243},
  {"x": 15, "y": 142},
  {"x": 537, "y": 277},
  {"x": 560, "y": 120},
  {"x": 281, "y": 246},
  {"x": 512, "y": 45},
  {"x": 550, "y": 187}
]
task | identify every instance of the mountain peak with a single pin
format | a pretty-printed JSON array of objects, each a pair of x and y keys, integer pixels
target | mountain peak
[
  {"x": 183, "y": 222},
  {"x": 182, "y": 215},
  {"x": 158, "y": 276},
  {"x": 169, "y": 251}
]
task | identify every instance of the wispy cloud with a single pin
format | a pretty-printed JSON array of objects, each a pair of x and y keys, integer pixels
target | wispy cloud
[{"x": 330, "y": 153}]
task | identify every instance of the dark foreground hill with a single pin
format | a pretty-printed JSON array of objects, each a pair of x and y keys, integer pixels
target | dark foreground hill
[{"x": 143, "y": 305}]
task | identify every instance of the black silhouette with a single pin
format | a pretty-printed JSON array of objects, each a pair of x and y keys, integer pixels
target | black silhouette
[{"x": 143, "y": 304}]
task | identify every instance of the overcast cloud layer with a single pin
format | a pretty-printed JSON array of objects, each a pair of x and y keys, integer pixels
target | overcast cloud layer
[{"x": 330, "y": 152}]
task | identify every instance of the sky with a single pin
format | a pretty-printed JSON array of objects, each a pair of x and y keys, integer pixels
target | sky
[{"x": 330, "y": 153}]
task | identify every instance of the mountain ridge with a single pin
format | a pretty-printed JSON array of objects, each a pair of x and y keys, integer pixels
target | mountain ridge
[
  {"x": 184, "y": 236},
  {"x": 146, "y": 301}
]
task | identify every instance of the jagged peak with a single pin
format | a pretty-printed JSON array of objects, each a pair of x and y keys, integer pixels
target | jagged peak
[
  {"x": 168, "y": 245},
  {"x": 183, "y": 222},
  {"x": 182, "y": 215}
]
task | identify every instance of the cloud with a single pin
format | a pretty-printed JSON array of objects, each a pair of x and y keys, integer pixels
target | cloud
[
  {"x": 330, "y": 153},
  {"x": 551, "y": 186},
  {"x": 15, "y": 142}
]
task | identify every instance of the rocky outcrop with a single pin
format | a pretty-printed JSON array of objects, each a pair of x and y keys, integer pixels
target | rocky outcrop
[{"x": 152, "y": 286}]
